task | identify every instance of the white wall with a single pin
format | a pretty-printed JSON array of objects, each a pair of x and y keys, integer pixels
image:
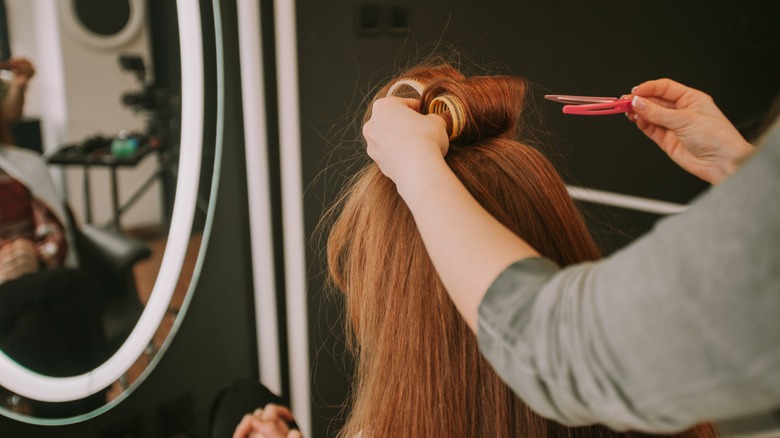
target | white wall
[{"x": 76, "y": 93}]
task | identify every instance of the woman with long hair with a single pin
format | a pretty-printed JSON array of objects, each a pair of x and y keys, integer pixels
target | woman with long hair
[{"x": 418, "y": 368}]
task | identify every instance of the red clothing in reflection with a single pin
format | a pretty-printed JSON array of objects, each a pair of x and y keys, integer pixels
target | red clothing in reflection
[{"x": 22, "y": 216}]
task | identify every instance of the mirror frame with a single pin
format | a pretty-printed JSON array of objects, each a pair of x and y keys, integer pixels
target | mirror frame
[{"x": 32, "y": 385}]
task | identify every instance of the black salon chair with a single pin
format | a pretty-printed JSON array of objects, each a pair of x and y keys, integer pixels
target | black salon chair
[{"x": 108, "y": 256}]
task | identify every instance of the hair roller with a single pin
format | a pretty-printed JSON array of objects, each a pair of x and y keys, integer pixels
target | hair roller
[
  {"x": 446, "y": 103},
  {"x": 481, "y": 107},
  {"x": 406, "y": 88}
]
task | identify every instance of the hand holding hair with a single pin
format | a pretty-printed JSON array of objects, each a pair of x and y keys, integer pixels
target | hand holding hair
[
  {"x": 403, "y": 142},
  {"x": 690, "y": 128}
]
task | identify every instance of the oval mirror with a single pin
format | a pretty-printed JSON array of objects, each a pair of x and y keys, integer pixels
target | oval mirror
[{"x": 89, "y": 69}]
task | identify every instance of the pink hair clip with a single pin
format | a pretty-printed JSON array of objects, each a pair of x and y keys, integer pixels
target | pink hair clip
[{"x": 591, "y": 106}]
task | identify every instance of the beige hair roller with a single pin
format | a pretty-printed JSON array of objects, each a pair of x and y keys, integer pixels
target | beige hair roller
[
  {"x": 448, "y": 103},
  {"x": 406, "y": 88}
]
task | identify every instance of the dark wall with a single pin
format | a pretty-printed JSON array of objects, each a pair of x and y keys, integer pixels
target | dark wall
[
  {"x": 215, "y": 343},
  {"x": 730, "y": 49}
]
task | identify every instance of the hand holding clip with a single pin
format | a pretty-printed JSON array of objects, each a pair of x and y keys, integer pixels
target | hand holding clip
[{"x": 688, "y": 125}]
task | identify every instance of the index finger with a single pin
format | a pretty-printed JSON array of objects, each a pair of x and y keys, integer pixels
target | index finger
[
  {"x": 666, "y": 89},
  {"x": 412, "y": 103},
  {"x": 391, "y": 105},
  {"x": 409, "y": 102}
]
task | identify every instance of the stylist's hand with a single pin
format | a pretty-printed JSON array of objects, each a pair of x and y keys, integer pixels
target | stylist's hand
[
  {"x": 403, "y": 142},
  {"x": 690, "y": 128},
  {"x": 16, "y": 259},
  {"x": 269, "y": 422}
]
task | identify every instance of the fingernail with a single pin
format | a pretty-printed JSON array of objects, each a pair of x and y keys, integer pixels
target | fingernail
[
  {"x": 633, "y": 90},
  {"x": 639, "y": 103}
]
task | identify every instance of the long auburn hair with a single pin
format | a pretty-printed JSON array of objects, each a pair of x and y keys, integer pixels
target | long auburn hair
[{"x": 418, "y": 368}]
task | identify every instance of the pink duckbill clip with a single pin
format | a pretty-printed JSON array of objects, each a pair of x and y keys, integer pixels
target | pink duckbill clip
[{"x": 591, "y": 106}]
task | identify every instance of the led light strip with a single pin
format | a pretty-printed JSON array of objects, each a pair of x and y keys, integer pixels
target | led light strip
[
  {"x": 625, "y": 201},
  {"x": 292, "y": 210},
  {"x": 259, "y": 193}
]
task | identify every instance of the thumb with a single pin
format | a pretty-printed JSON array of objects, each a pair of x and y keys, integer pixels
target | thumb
[{"x": 656, "y": 114}]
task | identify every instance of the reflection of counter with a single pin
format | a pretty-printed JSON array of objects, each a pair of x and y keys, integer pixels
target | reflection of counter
[{"x": 70, "y": 155}]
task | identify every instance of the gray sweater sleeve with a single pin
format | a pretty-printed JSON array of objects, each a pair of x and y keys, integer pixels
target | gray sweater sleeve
[{"x": 680, "y": 327}]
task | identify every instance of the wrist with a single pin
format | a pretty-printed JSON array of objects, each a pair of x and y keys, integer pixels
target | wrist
[
  {"x": 733, "y": 161},
  {"x": 420, "y": 178}
]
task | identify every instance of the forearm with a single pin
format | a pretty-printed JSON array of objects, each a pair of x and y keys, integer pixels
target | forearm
[
  {"x": 13, "y": 103},
  {"x": 468, "y": 247}
]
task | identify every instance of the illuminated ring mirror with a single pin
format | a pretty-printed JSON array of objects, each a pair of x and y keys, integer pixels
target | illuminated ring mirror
[{"x": 42, "y": 388}]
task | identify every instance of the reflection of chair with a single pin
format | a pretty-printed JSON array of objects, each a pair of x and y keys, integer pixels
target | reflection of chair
[{"x": 108, "y": 256}]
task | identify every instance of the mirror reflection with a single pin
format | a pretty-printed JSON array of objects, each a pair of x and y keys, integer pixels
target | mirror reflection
[{"x": 88, "y": 168}]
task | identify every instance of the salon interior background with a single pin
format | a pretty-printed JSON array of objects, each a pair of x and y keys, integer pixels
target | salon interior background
[
  {"x": 74, "y": 103},
  {"x": 730, "y": 49}
]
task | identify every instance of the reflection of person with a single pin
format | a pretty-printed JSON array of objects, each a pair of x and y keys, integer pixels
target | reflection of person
[
  {"x": 13, "y": 93},
  {"x": 677, "y": 328},
  {"x": 50, "y": 313},
  {"x": 419, "y": 371}
]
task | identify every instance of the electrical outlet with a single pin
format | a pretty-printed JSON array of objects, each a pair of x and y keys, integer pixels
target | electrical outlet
[
  {"x": 368, "y": 20},
  {"x": 399, "y": 21}
]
